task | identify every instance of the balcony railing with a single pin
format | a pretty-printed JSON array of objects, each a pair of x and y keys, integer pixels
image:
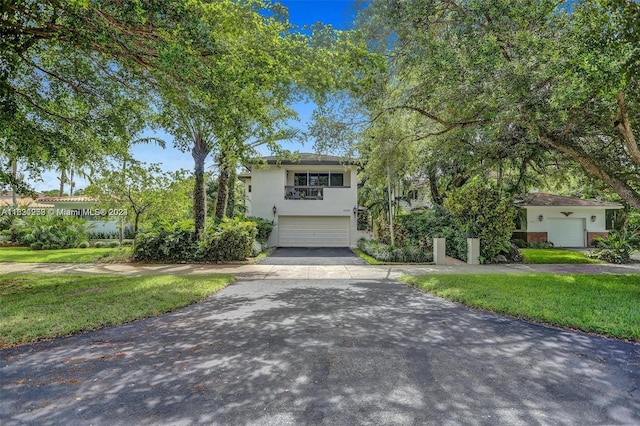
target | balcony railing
[{"x": 303, "y": 192}]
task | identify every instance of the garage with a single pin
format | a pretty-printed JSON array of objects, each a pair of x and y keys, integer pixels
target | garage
[
  {"x": 313, "y": 231},
  {"x": 566, "y": 232}
]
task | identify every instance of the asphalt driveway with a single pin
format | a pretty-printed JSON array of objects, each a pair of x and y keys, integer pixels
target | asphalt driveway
[
  {"x": 305, "y": 256},
  {"x": 335, "y": 352}
]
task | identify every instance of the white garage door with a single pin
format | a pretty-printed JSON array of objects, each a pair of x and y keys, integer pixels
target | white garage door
[
  {"x": 313, "y": 231},
  {"x": 566, "y": 232}
]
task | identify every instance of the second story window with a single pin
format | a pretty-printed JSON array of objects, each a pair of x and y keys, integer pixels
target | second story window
[{"x": 318, "y": 179}]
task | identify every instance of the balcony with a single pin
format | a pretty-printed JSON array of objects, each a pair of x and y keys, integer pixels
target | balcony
[{"x": 303, "y": 192}]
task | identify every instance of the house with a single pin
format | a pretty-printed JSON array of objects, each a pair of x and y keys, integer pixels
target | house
[
  {"x": 312, "y": 201},
  {"x": 100, "y": 220},
  {"x": 6, "y": 200},
  {"x": 563, "y": 221}
]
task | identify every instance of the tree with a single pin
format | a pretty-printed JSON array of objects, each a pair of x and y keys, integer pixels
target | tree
[
  {"x": 136, "y": 189},
  {"x": 567, "y": 76}
]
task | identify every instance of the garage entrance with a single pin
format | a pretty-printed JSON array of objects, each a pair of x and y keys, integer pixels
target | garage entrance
[
  {"x": 566, "y": 232},
  {"x": 313, "y": 231}
]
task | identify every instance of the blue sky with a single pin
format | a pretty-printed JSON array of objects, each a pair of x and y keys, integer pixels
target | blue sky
[{"x": 339, "y": 13}]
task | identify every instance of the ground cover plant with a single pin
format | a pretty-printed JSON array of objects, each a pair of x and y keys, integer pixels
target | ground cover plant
[
  {"x": 605, "y": 304},
  {"x": 74, "y": 255},
  {"x": 550, "y": 256},
  {"x": 35, "y": 306},
  {"x": 386, "y": 253}
]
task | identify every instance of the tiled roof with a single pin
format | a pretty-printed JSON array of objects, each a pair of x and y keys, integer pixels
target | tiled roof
[
  {"x": 540, "y": 199},
  {"x": 74, "y": 199}
]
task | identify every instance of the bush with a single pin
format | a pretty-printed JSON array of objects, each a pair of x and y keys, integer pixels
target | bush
[
  {"x": 519, "y": 243},
  {"x": 227, "y": 240},
  {"x": 166, "y": 242},
  {"x": 113, "y": 244},
  {"x": 127, "y": 243},
  {"x": 100, "y": 244},
  {"x": 264, "y": 228},
  {"x": 481, "y": 211},
  {"x": 540, "y": 245},
  {"x": 616, "y": 247},
  {"x": 386, "y": 253},
  {"x": 49, "y": 232},
  {"x": 83, "y": 244}
]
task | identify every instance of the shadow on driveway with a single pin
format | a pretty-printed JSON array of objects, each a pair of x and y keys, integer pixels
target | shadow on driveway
[
  {"x": 323, "y": 352},
  {"x": 303, "y": 256}
]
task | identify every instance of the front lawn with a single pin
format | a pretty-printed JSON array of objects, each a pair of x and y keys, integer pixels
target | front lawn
[
  {"x": 603, "y": 303},
  {"x": 547, "y": 256},
  {"x": 35, "y": 307},
  {"x": 75, "y": 255}
]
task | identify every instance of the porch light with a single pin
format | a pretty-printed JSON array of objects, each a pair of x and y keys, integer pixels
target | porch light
[
  {"x": 593, "y": 218},
  {"x": 275, "y": 210},
  {"x": 540, "y": 218},
  {"x": 355, "y": 210}
]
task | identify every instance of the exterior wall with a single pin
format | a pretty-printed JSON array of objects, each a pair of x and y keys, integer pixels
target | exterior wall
[
  {"x": 536, "y": 237},
  {"x": 268, "y": 190},
  {"x": 536, "y": 228},
  {"x": 107, "y": 224},
  {"x": 592, "y": 235},
  {"x": 534, "y": 225}
]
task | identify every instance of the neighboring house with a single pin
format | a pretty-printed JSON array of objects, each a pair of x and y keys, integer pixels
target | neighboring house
[
  {"x": 85, "y": 208},
  {"x": 563, "y": 221},
  {"x": 313, "y": 202},
  {"x": 6, "y": 200}
]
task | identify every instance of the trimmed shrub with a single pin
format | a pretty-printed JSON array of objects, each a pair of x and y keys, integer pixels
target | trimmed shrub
[
  {"x": 127, "y": 243},
  {"x": 83, "y": 244},
  {"x": 99, "y": 244},
  {"x": 519, "y": 243},
  {"x": 481, "y": 211},
  {"x": 264, "y": 228},
  {"x": 49, "y": 232},
  {"x": 113, "y": 244},
  {"x": 227, "y": 240},
  {"x": 386, "y": 253},
  {"x": 540, "y": 245},
  {"x": 166, "y": 242}
]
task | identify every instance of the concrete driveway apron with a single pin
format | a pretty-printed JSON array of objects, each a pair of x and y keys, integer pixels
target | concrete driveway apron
[
  {"x": 303, "y": 256},
  {"x": 335, "y": 352}
]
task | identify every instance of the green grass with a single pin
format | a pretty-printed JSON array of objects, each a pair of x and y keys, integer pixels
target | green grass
[
  {"x": 36, "y": 307},
  {"x": 77, "y": 255},
  {"x": 546, "y": 256},
  {"x": 604, "y": 304},
  {"x": 369, "y": 259}
]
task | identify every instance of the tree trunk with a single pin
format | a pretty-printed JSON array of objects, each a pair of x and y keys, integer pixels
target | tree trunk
[
  {"x": 622, "y": 188},
  {"x": 63, "y": 179},
  {"x": 231, "y": 192},
  {"x": 223, "y": 190},
  {"x": 433, "y": 187},
  {"x": 199, "y": 153},
  {"x": 14, "y": 186}
]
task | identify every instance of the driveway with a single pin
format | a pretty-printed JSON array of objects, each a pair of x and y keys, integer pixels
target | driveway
[
  {"x": 332, "y": 352},
  {"x": 302, "y": 256}
]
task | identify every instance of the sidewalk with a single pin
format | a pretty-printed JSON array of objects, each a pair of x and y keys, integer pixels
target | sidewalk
[{"x": 265, "y": 272}]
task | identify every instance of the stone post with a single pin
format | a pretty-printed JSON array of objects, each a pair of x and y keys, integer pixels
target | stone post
[
  {"x": 473, "y": 251},
  {"x": 439, "y": 251}
]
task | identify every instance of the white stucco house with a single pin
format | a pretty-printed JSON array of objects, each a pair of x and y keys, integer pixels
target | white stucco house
[
  {"x": 84, "y": 208},
  {"x": 563, "y": 221},
  {"x": 313, "y": 202}
]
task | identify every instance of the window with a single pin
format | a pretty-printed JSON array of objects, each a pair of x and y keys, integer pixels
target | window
[
  {"x": 300, "y": 179},
  {"x": 337, "y": 179},
  {"x": 318, "y": 179}
]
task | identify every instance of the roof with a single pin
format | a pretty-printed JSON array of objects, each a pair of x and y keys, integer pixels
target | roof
[
  {"x": 540, "y": 199},
  {"x": 75, "y": 199},
  {"x": 310, "y": 159}
]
